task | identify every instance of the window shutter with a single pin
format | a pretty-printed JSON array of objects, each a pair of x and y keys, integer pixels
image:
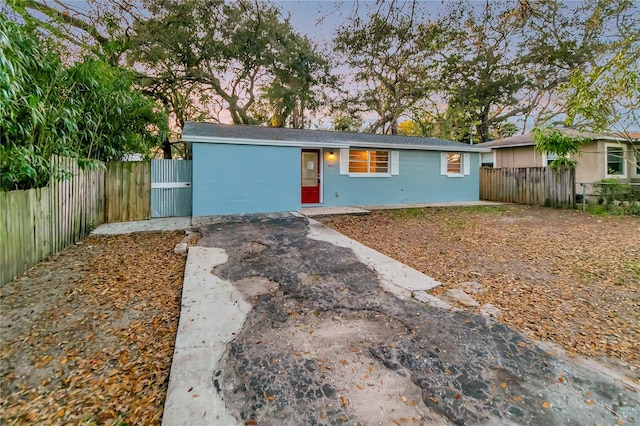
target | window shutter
[
  {"x": 344, "y": 161},
  {"x": 443, "y": 163},
  {"x": 395, "y": 163},
  {"x": 466, "y": 164}
]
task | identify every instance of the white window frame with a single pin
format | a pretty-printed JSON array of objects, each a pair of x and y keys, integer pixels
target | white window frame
[
  {"x": 393, "y": 166},
  {"x": 548, "y": 157},
  {"x": 623, "y": 175},
  {"x": 636, "y": 164},
  {"x": 465, "y": 167}
]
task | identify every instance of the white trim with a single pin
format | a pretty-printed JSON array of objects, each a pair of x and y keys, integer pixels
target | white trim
[
  {"x": 624, "y": 160},
  {"x": 331, "y": 144},
  {"x": 636, "y": 163},
  {"x": 162, "y": 185},
  {"x": 344, "y": 161},
  {"x": 388, "y": 173},
  {"x": 373, "y": 175},
  {"x": 395, "y": 163},
  {"x": 545, "y": 158},
  {"x": 464, "y": 159},
  {"x": 264, "y": 142}
]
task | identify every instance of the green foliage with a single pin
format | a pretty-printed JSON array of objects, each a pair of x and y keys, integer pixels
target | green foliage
[
  {"x": 347, "y": 123},
  {"x": 88, "y": 111},
  {"x": 551, "y": 140},
  {"x": 619, "y": 197}
]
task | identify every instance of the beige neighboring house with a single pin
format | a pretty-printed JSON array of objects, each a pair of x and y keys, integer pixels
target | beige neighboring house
[{"x": 605, "y": 156}]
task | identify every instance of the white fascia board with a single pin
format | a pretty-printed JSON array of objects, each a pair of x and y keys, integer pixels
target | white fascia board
[
  {"x": 330, "y": 144},
  {"x": 264, "y": 142}
]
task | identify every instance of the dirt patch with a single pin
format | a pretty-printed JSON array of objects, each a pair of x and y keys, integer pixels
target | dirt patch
[
  {"x": 87, "y": 336},
  {"x": 560, "y": 276}
]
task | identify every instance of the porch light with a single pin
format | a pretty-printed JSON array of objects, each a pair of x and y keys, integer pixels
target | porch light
[{"x": 332, "y": 155}]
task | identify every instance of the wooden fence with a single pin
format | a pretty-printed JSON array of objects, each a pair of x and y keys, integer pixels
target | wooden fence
[
  {"x": 128, "y": 191},
  {"x": 543, "y": 186},
  {"x": 37, "y": 223}
]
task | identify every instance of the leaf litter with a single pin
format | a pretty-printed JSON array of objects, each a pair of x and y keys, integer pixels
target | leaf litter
[
  {"x": 88, "y": 335},
  {"x": 557, "y": 275}
]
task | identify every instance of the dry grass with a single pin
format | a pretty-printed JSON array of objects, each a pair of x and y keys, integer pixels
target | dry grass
[
  {"x": 87, "y": 337},
  {"x": 561, "y": 276}
]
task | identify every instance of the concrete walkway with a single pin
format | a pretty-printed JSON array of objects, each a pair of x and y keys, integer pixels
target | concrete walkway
[
  {"x": 160, "y": 224},
  {"x": 364, "y": 210},
  {"x": 213, "y": 312}
]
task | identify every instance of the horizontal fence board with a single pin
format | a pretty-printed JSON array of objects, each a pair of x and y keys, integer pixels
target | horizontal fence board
[{"x": 543, "y": 186}]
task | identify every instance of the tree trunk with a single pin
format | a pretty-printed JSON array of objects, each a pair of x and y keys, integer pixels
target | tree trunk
[{"x": 166, "y": 149}]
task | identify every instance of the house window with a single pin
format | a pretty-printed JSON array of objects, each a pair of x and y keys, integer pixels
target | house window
[
  {"x": 638, "y": 162},
  {"x": 549, "y": 157},
  {"x": 368, "y": 161},
  {"x": 454, "y": 163},
  {"x": 615, "y": 161}
]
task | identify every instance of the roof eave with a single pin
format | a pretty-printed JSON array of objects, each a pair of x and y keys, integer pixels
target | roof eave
[{"x": 328, "y": 144}]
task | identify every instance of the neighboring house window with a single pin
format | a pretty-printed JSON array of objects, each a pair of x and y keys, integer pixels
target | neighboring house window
[
  {"x": 369, "y": 163},
  {"x": 455, "y": 164},
  {"x": 638, "y": 162},
  {"x": 549, "y": 157},
  {"x": 487, "y": 159},
  {"x": 615, "y": 161}
]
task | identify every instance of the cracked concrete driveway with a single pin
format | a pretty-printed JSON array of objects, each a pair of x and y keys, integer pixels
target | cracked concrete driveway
[{"x": 324, "y": 335}]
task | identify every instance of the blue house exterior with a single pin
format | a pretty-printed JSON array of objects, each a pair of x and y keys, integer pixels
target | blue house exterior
[{"x": 250, "y": 169}]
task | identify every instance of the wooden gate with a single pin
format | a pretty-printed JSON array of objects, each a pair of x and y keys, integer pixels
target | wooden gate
[{"x": 170, "y": 188}]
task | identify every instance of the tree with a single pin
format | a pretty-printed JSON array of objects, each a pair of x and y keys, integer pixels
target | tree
[
  {"x": 549, "y": 139},
  {"x": 483, "y": 71},
  {"x": 347, "y": 123},
  {"x": 584, "y": 55},
  {"x": 230, "y": 52},
  {"x": 601, "y": 94},
  {"x": 201, "y": 59},
  {"x": 88, "y": 111},
  {"x": 389, "y": 54}
]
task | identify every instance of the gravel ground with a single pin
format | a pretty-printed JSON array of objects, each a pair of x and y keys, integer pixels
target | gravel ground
[
  {"x": 88, "y": 335},
  {"x": 562, "y": 276}
]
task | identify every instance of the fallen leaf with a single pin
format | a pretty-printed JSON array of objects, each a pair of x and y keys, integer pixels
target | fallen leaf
[{"x": 546, "y": 404}]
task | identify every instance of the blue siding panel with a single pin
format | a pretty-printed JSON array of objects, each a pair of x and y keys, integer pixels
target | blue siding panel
[
  {"x": 419, "y": 181},
  {"x": 238, "y": 179}
]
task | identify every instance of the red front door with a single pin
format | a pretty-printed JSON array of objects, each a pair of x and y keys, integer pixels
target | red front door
[{"x": 310, "y": 176}]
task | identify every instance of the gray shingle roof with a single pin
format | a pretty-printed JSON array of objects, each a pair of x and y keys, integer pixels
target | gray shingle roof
[
  {"x": 225, "y": 131},
  {"x": 527, "y": 138}
]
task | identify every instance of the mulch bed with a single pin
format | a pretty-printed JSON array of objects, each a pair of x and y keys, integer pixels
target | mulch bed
[
  {"x": 88, "y": 336},
  {"x": 562, "y": 276}
]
